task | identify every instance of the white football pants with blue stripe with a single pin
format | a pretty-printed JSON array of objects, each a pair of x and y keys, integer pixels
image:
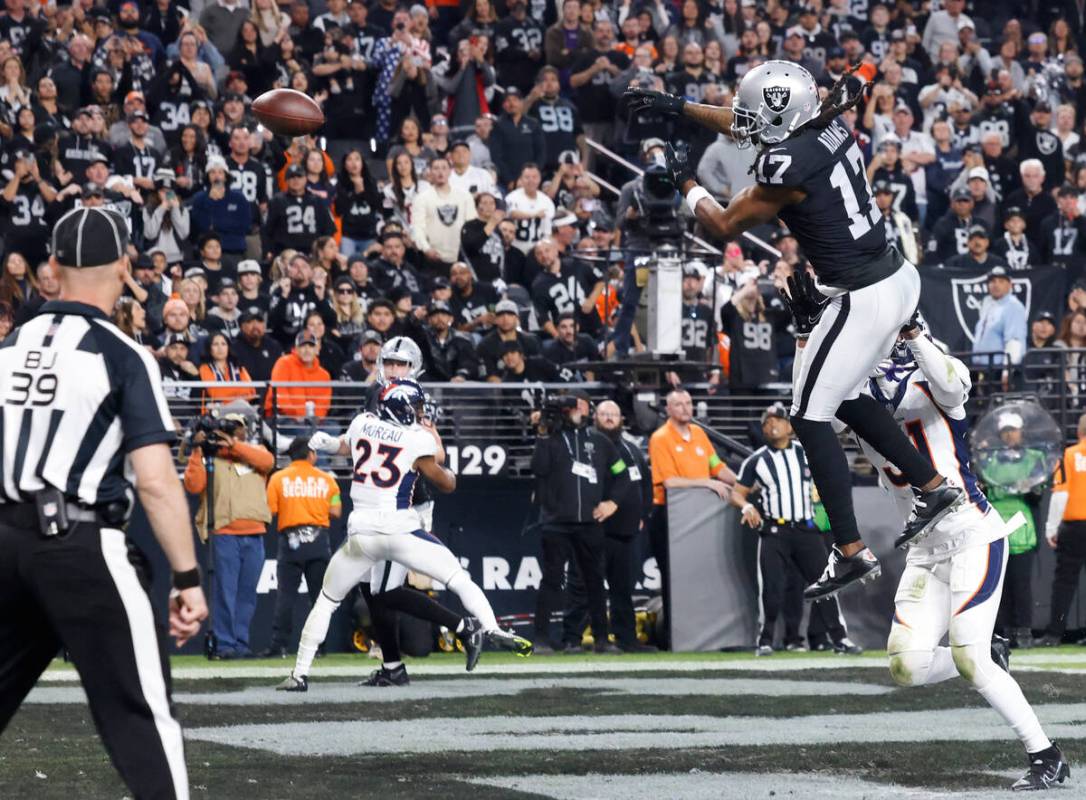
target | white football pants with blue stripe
[
  {"x": 419, "y": 551},
  {"x": 958, "y": 596},
  {"x": 388, "y": 575}
]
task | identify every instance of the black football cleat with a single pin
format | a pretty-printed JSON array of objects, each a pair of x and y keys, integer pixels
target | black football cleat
[
  {"x": 843, "y": 571},
  {"x": 928, "y": 509},
  {"x": 1001, "y": 652},
  {"x": 472, "y": 638},
  {"x": 293, "y": 683},
  {"x": 1046, "y": 769},
  {"x": 387, "y": 677}
]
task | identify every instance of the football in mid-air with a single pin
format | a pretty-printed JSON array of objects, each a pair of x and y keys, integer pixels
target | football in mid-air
[{"x": 288, "y": 112}]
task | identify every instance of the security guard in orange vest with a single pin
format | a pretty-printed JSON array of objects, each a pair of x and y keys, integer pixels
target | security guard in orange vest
[
  {"x": 304, "y": 499},
  {"x": 1066, "y": 532}
]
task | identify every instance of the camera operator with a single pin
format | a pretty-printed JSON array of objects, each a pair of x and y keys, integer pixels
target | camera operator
[
  {"x": 638, "y": 235},
  {"x": 634, "y": 498},
  {"x": 240, "y": 520},
  {"x": 576, "y": 470}
]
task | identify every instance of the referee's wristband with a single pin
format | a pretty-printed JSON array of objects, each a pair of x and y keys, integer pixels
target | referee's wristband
[
  {"x": 189, "y": 579},
  {"x": 695, "y": 196},
  {"x": 746, "y": 508}
]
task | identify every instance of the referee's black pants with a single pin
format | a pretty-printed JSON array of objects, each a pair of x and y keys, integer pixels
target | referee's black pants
[
  {"x": 583, "y": 542},
  {"x": 782, "y": 551},
  {"x": 87, "y": 592},
  {"x": 1070, "y": 559}
]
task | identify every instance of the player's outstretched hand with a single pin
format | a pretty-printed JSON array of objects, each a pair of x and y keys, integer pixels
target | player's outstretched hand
[
  {"x": 321, "y": 442},
  {"x": 804, "y": 301},
  {"x": 638, "y": 100},
  {"x": 678, "y": 164}
]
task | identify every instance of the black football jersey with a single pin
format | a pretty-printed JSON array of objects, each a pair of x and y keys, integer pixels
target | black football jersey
[
  {"x": 837, "y": 225},
  {"x": 697, "y": 323}
]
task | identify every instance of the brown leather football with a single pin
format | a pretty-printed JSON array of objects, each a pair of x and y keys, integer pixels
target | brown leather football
[{"x": 288, "y": 112}]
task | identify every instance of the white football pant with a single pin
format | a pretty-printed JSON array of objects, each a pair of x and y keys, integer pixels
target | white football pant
[
  {"x": 387, "y": 575},
  {"x": 420, "y": 552},
  {"x": 856, "y": 331},
  {"x": 958, "y": 595}
]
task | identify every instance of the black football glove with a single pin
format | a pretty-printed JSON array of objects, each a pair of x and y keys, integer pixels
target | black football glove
[
  {"x": 638, "y": 100},
  {"x": 804, "y": 301},
  {"x": 915, "y": 324},
  {"x": 678, "y": 164}
]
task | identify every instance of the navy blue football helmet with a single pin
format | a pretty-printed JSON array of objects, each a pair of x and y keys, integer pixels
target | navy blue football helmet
[{"x": 400, "y": 401}]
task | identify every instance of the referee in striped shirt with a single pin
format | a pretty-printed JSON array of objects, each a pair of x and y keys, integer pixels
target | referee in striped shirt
[
  {"x": 788, "y": 538},
  {"x": 84, "y": 427}
]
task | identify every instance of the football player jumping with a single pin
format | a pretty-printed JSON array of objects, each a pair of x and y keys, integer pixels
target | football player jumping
[
  {"x": 392, "y": 451},
  {"x": 810, "y": 173},
  {"x": 953, "y": 578}
]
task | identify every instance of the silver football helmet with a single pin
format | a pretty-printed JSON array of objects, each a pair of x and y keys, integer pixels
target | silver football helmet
[
  {"x": 774, "y": 100},
  {"x": 401, "y": 349}
]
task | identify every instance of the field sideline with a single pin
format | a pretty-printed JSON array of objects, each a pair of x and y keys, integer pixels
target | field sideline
[{"x": 653, "y": 726}]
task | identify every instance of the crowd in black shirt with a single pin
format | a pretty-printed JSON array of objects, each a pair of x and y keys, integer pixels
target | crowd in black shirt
[{"x": 452, "y": 195}]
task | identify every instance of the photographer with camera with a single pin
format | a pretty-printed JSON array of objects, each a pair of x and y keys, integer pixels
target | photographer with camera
[
  {"x": 647, "y": 213},
  {"x": 576, "y": 469},
  {"x": 238, "y": 521}
]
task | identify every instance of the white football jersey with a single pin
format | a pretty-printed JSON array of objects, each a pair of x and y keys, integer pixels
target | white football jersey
[
  {"x": 941, "y": 436},
  {"x": 530, "y": 231},
  {"x": 384, "y": 458}
]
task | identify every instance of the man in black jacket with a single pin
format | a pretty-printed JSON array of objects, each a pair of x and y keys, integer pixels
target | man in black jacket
[
  {"x": 449, "y": 355},
  {"x": 576, "y": 470},
  {"x": 634, "y": 497},
  {"x": 517, "y": 139}
]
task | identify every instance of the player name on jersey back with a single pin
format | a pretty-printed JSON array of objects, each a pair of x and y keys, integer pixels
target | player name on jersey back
[
  {"x": 837, "y": 224},
  {"x": 384, "y": 462}
]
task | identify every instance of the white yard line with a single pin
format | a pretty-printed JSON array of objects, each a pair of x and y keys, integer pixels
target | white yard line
[
  {"x": 340, "y": 693},
  {"x": 698, "y": 785},
  {"x": 557, "y": 665},
  {"x": 631, "y": 732}
]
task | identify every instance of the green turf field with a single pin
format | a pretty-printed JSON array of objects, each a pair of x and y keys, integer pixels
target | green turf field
[{"x": 649, "y": 726}]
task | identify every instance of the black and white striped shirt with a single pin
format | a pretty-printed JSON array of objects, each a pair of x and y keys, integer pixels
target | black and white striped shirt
[
  {"x": 785, "y": 480},
  {"x": 76, "y": 396}
]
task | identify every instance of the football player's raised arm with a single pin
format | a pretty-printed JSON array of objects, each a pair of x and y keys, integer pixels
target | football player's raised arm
[
  {"x": 715, "y": 118},
  {"x": 442, "y": 479},
  {"x": 753, "y": 206},
  {"x": 948, "y": 378}
]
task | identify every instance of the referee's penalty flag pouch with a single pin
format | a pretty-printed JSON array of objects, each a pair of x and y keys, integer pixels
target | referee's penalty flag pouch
[{"x": 52, "y": 512}]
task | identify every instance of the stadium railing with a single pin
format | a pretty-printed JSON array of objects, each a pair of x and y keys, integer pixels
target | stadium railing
[{"x": 486, "y": 428}]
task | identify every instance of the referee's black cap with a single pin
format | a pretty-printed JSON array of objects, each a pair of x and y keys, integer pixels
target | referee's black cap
[{"x": 89, "y": 237}]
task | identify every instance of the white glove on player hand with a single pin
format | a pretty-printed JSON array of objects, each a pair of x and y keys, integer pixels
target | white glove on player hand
[{"x": 323, "y": 442}]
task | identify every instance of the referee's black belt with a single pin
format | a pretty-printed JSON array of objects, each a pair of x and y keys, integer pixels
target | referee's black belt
[
  {"x": 789, "y": 523},
  {"x": 25, "y": 515}
]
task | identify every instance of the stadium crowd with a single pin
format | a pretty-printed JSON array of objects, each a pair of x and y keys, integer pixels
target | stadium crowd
[{"x": 450, "y": 196}]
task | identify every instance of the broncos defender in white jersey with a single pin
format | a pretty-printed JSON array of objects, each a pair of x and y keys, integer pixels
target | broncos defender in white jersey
[
  {"x": 391, "y": 451},
  {"x": 384, "y": 590},
  {"x": 953, "y": 577}
]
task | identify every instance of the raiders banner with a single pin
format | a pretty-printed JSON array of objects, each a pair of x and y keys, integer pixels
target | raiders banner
[{"x": 951, "y": 297}]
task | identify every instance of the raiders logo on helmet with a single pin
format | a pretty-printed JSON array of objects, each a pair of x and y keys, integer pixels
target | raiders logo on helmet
[
  {"x": 447, "y": 214},
  {"x": 776, "y": 98}
]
